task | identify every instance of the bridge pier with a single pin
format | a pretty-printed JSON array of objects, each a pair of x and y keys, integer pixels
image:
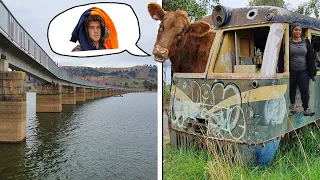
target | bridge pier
[
  {"x": 97, "y": 93},
  {"x": 89, "y": 93},
  {"x": 81, "y": 94},
  {"x": 69, "y": 95},
  {"x": 109, "y": 92},
  {"x": 4, "y": 65},
  {"x": 12, "y": 106},
  {"x": 112, "y": 92},
  {"x": 103, "y": 93},
  {"x": 49, "y": 97}
]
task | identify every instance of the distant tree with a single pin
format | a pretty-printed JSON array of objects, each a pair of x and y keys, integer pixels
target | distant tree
[
  {"x": 278, "y": 3},
  {"x": 145, "y": 84},
  {"x": 305, "y": 8},
  {"x": 196, "y": 9},
  {"x": 152, "y": 72},
  {"x": 309, "y": 7},
  {"x": 132, "y": 74}
]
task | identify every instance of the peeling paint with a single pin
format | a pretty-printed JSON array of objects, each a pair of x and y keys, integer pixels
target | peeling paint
[
  {"x": 271, "y": 53},
  {"x": 227, "y": 62}
]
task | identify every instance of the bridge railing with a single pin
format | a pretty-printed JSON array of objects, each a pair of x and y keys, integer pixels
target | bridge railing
[{"x": 22, "y": 39}]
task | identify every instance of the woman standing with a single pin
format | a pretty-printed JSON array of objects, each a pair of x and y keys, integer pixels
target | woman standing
[{"x": 302, "y": 67}]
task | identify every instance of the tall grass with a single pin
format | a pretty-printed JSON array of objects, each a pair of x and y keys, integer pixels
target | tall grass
[
  {"x": 184, "y": 163},
  {"x": 297, "y": 158},
  {"x": 166, "y": 95}
]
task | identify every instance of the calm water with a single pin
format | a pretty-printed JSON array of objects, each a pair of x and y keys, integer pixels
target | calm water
[{"x": 109, "y": 138}]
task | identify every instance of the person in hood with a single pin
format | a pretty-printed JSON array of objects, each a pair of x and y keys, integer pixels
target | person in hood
[{"x": 95, "y": 30}]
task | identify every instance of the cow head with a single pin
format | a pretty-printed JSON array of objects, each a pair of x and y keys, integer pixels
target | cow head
[{"x": 173, "y": 31}]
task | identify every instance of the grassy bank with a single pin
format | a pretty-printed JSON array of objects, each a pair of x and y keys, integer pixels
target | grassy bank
[
  {"x": 297, "y": 158},
  {"x": 166, "y": 96}
]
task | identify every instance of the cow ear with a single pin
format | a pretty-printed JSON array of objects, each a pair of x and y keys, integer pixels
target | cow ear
[
  {"x": 199, "y": 28},
  {"x": 155, "y": 11}
]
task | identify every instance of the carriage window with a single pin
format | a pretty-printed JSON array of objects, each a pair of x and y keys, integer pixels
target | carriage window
[
  {"x": 315, "y": 40},
  {"x": 242, "y": 51}
]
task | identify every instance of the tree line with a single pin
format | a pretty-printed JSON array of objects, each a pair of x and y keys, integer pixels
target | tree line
[{"x": 197, "y": 9}]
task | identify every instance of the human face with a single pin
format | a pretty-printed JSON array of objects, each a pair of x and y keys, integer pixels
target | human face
[
  {"x": 94, "y": 30},
  {"x": 297, "y": 32}
]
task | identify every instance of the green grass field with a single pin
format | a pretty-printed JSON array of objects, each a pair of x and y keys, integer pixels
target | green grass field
[{"x": 297, "y": 158}]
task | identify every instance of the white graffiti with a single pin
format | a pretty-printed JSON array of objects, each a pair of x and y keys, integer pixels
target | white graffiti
[
  {"x": 184, "y": 85},
  {"x": 275, "y": 108},
  {"x": 217, "y": 122},
  {"x": 220, "y": 107},
  {"x": 183, "y": 112}
]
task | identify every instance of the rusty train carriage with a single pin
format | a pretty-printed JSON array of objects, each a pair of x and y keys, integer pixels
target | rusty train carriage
[{"x": 243, "y": 94}]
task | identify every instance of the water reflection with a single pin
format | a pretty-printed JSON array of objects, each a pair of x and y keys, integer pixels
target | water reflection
[{"x": 108, "y": 138}]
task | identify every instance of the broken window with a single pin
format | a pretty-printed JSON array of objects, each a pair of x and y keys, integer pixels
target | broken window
[
  {"x": 242, "y": 50},
  {"x": 281, "y": 57},
  {"x": 315, "y": 40}
]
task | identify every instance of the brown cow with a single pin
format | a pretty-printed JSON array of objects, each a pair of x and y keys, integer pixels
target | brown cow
[{"x": 186, "y": 44}]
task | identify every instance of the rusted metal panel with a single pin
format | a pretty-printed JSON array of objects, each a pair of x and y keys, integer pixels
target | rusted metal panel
[
  {"x": 261, "y": 14},
  {"x": 234, "y": 110},
  {"x": 226, "y": 56}
]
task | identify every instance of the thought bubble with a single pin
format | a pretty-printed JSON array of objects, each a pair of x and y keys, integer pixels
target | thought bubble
[{"x": 124, "y": 19}]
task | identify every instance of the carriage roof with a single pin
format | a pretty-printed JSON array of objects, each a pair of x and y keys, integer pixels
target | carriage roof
[{"x": 260, "y": 15}]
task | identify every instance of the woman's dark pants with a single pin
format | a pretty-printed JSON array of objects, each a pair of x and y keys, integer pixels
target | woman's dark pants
[{"x": 300, "y": 78}]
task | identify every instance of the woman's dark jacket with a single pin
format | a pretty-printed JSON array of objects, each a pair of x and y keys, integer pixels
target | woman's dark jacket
[{"x": 311, "y": 57}]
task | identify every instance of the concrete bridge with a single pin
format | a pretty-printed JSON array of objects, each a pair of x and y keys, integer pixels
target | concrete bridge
[{"x": 21, "y": 53}]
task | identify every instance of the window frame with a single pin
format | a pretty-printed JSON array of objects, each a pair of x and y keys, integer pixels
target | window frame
[
  {"x": 309, "y": 34},
  {"x": 214, "y": 56}
]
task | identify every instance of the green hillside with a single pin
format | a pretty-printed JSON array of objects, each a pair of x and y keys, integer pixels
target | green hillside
[{"x": 142, "y": 76}]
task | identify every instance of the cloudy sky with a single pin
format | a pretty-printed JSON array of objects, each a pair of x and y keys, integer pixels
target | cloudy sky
[{"x": 35, "y": 16}]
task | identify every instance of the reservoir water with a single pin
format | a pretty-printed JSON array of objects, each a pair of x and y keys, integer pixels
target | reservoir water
[{"x": 108, "y": 138}]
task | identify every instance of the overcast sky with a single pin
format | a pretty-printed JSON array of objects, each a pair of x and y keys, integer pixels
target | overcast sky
[{"x": 35, "y": 16}]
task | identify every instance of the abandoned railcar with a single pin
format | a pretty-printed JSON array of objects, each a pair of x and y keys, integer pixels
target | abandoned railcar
[{"x": 242, "y": 95}]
